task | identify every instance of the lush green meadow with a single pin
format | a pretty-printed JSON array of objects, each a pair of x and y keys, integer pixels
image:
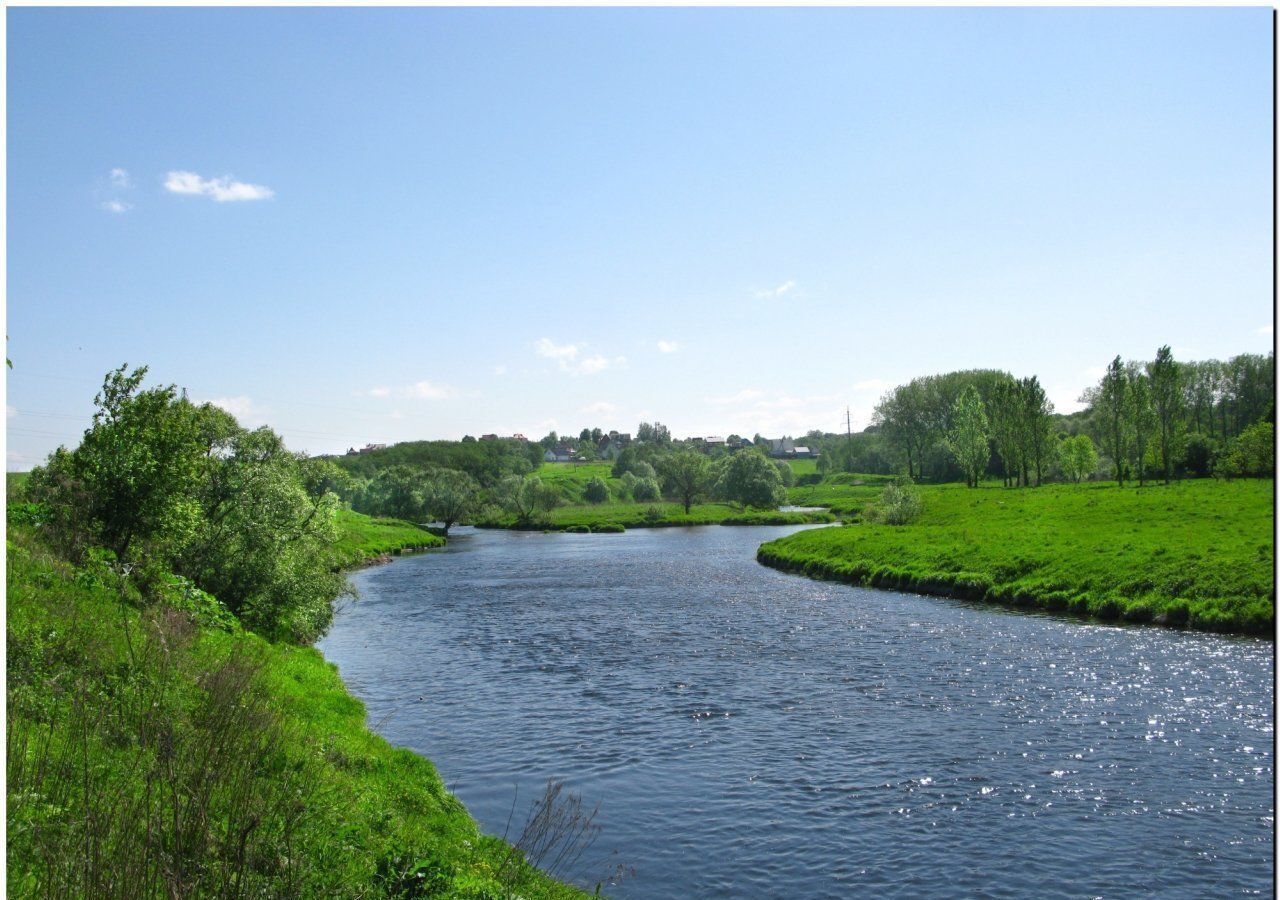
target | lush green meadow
[
  {"x": 152, "y": 755},
  {"x": 846, "y": 495},
  {"x": 364, "y": 537},
  {"x": 1198, "y": 553}
]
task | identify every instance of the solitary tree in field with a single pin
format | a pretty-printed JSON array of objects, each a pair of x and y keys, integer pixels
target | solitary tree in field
[
  {"x": 1113, "y": 412},
  {"x": 686, "y": 475},
  {"x": 527, "y": 497},
  {"x": 749, "y": 479},
  {"x": 967, "y": 439},
  {"x": 1167, "y": 404},
  {"x": 450, "y": 496}
]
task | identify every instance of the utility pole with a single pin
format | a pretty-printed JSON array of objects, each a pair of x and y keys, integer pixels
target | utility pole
[{"x": 848, "y": 439}]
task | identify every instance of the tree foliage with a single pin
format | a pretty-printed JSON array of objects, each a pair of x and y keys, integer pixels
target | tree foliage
[
  {"x": 166, "y": 486},
  {"x": 750, "y": 479},
  {"x": 967, "y": 438}
]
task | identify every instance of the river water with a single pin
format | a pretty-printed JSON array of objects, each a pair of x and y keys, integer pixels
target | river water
[{"x": 752, "y": 734}]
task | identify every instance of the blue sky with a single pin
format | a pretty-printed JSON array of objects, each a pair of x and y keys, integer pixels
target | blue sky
[{"x": 382, "y": 225}]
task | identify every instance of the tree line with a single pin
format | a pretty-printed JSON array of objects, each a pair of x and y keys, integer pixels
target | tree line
[{"x": 1159, "y": 418}]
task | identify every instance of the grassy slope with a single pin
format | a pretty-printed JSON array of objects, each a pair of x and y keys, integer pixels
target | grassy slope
[
  {"x": 364, "y": 537},
  {"x": 1198, "y": 552},
  {"x": 124, "y": 720},
  {"x": 844, "y": 494}
]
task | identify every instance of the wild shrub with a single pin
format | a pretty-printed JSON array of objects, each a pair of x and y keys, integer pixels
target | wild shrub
[
  {"x": 900, "y": 504},
  {"x": 596, "y": 491}
]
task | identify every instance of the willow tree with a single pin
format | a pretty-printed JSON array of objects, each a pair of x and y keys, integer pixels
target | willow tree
[{"x": 967, "y": 438}]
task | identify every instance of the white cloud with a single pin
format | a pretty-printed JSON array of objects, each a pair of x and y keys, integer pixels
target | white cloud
[
  {"x": 116, "y": 206},
  {"x": 775, "y": 293},
  {"x": 1265, "y": 330},
  {"x": 599, "y": 408},
  {"x": 1094, "y": 373},
  {"x": 243, "y": 408},
  {"x": 499, "y": 371},
  {"x": 380, "y": 392},
  {"x": 120, "y": 179},
  {"x": 222, "y": 190},
  {"x": 566, "y": 357},
  {"x": 668, "y": 346},
  {"x": 10, "y": 411},
  {"x": 425, "y": 390},
  {"x": 564, "y": 353}
]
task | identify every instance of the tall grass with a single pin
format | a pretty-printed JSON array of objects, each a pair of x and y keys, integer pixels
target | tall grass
[{"x": 152, "y": 756}]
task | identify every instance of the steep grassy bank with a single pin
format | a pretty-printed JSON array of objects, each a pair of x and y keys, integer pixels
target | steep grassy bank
[
  {"x": 362, "y": 538},
  {"x": 1196, "y": 553},
  {"x": 157, "y": 749}
]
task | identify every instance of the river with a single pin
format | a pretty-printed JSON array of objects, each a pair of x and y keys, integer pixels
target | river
[{"x": 748, "y": 733}]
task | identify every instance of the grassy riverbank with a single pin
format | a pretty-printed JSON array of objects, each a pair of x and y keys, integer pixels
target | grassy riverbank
[
  {"x": 1197, "y": 553},
  {"x": 154, "y": 751},
  {"x": 655, "y": 515},
  {"x": 362, "y": 538}
]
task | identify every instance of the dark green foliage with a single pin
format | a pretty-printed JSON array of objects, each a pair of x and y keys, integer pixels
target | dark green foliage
[
  {"x": 488, "y": 462},
  {"x": 169, "y": 487},
  {"x": 1251, "y": 454},
  {"x": 749, "y": 479},
  {"x": 596, "y": 491}
]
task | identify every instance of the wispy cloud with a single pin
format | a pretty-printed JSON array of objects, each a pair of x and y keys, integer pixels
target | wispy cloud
[
  {"x": 222, "y": 190},
  {"x": 1265, "y": 330},
  {"x": 243, "y": 408},
  {"x": 777, "y": 292},
  {"x": 668, "y": 346},
  {"x": 566, "y": 356},
  {"x": 426, "y": 390},
  {"x": 599, "y": 408},
  {"x": 499, "y": 371},
  {"x": 111, "y": 193},
  {"x": 379, "y": 392}
]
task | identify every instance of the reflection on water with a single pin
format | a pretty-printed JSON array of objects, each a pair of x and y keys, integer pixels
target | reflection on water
[{"x": 750, "y": 733}]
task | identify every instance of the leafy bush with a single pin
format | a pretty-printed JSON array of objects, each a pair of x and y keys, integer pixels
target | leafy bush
[
  {"x": 1251, "y": 454},
  {"x": 646, "y": 490},
  {"x": 596, "y": 491},
  {"x": 609, "y": 528},
  {"x": 900, "y": 504}
]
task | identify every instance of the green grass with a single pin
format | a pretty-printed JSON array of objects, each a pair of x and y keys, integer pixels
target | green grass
[
  {"x": 803, "y": 466},
  {"x": 364, "y": 537},
  {"x": 1197, "y": 553},
  {"x": 149, "y": 756},
  {"x": 844, "y": 494}
]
